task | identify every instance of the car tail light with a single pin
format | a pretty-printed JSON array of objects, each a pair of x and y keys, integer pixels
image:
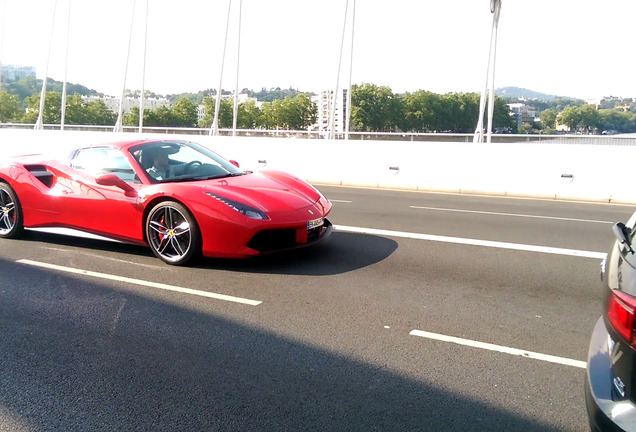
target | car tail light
[{"x": 620, "y": 313}]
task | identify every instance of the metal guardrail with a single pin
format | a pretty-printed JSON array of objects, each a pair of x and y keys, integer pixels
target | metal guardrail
[{"x": 626, "y": 139}]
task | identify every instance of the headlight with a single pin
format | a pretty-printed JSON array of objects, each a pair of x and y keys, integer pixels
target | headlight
[{"x": 244, "y": 209}]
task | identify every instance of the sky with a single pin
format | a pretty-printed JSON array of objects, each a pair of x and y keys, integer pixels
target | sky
[{"x": 576, "y": 48}]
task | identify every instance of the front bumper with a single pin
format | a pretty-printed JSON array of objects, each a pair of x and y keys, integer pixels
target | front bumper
[
  {"x": 242, "y": 237},
  {"x": 605, "y": 413}
]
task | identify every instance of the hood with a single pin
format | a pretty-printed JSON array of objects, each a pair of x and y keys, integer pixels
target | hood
[{"x": 270, "y": 191}]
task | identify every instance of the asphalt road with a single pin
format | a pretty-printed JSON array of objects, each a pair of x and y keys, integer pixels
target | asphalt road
[{"x": 352, "y": 335}]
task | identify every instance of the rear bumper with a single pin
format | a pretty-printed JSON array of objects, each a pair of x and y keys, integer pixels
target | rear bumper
[{"x": 605, "y": 413}]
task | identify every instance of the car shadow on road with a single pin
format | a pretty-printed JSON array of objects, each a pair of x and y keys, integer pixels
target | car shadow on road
[
  {"x": 76, "y": 354},
  {"x": 342, "y": 252},
  {"x": 85, "y": 242}
]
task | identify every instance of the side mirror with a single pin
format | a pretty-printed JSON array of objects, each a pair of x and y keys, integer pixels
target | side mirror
[
  {"x": 113, "y": 180},
  {"x": 623, "y": 235},
  {"x": 235, "y": 163}
]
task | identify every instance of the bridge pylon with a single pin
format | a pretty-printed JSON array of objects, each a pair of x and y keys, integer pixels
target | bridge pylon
[{"x": 495, "y": 9}]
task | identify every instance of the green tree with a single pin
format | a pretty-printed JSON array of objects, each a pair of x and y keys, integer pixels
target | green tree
[
  {"x": 24, "y": 88},
  {"x": 571, "y": 117},
  {"x": 423, "y": 112},
  {"x": 97, "y": 113},
  {"x": 589, "y": 118},
  {"x": 454, "y": 112},
  {"x": 269, "y": 116},
  {"x": 462, "y": 112},
  {"x": 152, "y": 117},
  {"x": 132, "y": 118},
  {"x": 52, "y": 108},
  {"x": 617, "y": 121},
  {"x": 502, "y": 120},
  {"x": 548, "y": 119},
  {"x": 272, "y": 94},
  {"x": 184, "y": 113},
  {"x": 82, "y": 112},
  {"x": 9, "y": 107},
  {"x": 76, "y": 111},
  {"x": 162, "y": 117},
  {"x": 374, "y": 108},
  {"x": 226, "y": 112},
  {"x": 297, "y": 113},
  {"x": 525, "y": 128},
  {"x": 248, "y": 116}
]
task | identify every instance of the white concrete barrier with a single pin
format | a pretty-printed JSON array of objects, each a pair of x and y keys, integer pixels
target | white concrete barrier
[{"x": 547, "y": 170}]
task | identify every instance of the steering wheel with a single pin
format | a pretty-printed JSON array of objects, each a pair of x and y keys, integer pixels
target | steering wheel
[{"x": 190, "y": 166}]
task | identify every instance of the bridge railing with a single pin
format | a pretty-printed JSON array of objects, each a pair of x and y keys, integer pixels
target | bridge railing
[{"x": 626, "y": 139}]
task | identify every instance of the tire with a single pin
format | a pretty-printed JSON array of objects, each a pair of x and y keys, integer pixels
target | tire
[
  {"x": 11, "y": 218},
  {"x": 172, "y": 233}
]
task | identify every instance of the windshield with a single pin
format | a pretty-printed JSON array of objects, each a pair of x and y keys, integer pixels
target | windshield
[{"x": 170, "y": 161}]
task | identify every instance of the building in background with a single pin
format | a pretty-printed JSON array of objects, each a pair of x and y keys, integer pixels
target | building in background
[
  {"x": 16, "y": 73},
  {"x": 112, "y": 102},
  {"x": 323, "y": 103},
  {"x": 523, "y": 113},
  {"x": 242, "y": 98}
]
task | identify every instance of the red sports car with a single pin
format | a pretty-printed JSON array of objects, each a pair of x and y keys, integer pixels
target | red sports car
[{"x": 176, "y": 196}]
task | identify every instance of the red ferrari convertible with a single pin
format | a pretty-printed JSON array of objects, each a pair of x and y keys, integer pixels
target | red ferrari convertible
[{"x": 178, "y": 197}]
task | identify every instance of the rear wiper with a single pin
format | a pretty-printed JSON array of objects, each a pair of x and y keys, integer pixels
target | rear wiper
[{"x": 623, "y": 234}]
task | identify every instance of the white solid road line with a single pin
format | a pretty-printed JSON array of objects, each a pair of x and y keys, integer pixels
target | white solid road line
[
  {"x": 473, "y": 242},
  {"x": 512, "y": 214},
  {"x": 499, "y": 348},
  {"x": 141, "y": 282},
  {"x": 102, "y": 257}
]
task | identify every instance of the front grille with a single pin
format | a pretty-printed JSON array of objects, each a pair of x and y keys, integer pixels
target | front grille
[
  {"x": 275, "y": 240},
  {"x": 313, "y": 234},
  {"x": 271, "y": 240}
]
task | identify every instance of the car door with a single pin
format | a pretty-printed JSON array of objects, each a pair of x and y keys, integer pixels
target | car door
[{"x": 105, "y": 210}]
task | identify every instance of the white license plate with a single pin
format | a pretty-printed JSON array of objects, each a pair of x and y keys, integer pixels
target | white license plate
[{"x": 315, "y": 223}]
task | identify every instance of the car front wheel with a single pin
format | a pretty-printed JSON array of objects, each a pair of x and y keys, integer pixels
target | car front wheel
[
  {"x": 11, "y": 220},
  {"x": 173, "y": 233}
]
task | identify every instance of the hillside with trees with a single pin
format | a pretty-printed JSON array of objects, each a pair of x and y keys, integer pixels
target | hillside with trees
[
  {"x": 610, "y": 115},
  {"x": 373, "y": 109}
]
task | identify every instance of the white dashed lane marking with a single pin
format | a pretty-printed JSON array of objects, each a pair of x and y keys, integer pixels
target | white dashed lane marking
[
  {"x": 141, "y": 282},
  {"x": 499, "y": 348},
  {"x": 513, "y": 215},
  {"x": 473, "y": 242}
]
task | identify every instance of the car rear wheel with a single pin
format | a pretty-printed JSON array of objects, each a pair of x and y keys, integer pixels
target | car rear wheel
[
  {"x": 173, "y": 233},
  {"x": 11, "y": 221}
]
